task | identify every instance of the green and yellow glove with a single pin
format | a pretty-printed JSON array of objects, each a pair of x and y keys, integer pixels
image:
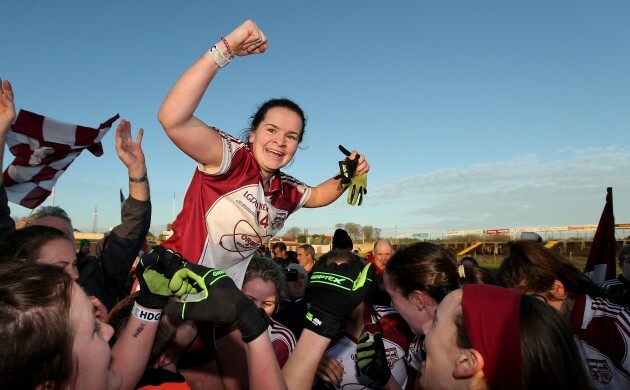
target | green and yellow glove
[
  {"x": 357, "y": 188},
  {"x": 154, "y": 271},
  {"x": 336, "y": 289},
  {"x": 357, "y": 185},
  {"x": 210, "y": 295},
  {"x": 371, "y": 358}
]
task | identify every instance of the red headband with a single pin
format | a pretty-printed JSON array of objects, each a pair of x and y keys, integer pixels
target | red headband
[{"x": 492, "y": 316}]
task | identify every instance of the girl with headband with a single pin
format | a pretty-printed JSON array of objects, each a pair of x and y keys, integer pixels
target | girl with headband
[
  {"x": 417, "y": 278},
  {"x": 488, "y": 337},
  {"x": 601, "y": 326}
]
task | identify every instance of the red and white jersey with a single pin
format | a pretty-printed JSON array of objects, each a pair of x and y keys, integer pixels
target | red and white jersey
[
  {"x": 603, "y": 332},
  {"x": 227, "y": 215},
  {"x": 396, "y": 336},
  {"x": 414, "y": 355},
  {"x": 282, "y": 340}
]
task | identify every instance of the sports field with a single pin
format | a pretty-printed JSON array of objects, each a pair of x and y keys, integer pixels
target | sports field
[{"x": 493, "y": 265}]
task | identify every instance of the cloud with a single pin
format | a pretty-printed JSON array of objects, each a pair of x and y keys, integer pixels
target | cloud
[
  {"x": 567, "y": 187},
  {"x": 525, "y": 190}
]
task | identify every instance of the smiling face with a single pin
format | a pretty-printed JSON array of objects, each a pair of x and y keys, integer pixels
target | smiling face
[
  {"x": 90, "y": 349},
  {"x": 297, "y": 289},
  {"x": 442, "y": 353},
  {"x": 263, "y": 292},
  {"x": 275, "y": 140},
  {"x": 60, "y": 253}
]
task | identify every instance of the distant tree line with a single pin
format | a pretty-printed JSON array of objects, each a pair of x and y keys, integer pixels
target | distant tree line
[{"x": 356, "y": 232}]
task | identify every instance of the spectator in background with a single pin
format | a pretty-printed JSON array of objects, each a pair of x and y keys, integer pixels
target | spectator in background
[
  {"x": 83, "y": 255},
  {"x": 534, "y": 269},
  {"x": 84, "y": 248},
  {"x": 619, "y": 288},
  {"x": 280, "y": 254},
  {"x": 469, "y": 261},
  {"x": 341, "y": 240},
  {"x": 293, "y": 309},
  {"x": 292, "y": 257},
  {"x": 380, "y": 255},
  {"x": 382, "y": 252},
  {"x": 115, "y": 253},
  {"x": 306, "y": 257}
]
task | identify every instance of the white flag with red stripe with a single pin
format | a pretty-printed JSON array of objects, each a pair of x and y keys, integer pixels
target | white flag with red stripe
[{"x": 43, "y": 150}]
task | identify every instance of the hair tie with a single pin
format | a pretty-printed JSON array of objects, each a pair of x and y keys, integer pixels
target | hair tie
[{"x": 462, "y": 271}]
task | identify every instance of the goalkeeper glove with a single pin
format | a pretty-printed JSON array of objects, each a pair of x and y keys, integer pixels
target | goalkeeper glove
[
  {"x": 215, "y": 299},
  {"x": 371, "y": 358},
  {"x": 336, "y": 289},
  {"x": 154, "y": 272}
]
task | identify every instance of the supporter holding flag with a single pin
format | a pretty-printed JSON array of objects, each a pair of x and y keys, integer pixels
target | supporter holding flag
[{"x": 104, "y": 277}]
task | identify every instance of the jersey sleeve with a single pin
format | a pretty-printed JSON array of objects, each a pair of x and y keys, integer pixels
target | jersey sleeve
[{"x": 230, "y": 146}]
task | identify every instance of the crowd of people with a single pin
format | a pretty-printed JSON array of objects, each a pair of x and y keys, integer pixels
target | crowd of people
[{"x": 209, "y": 312}]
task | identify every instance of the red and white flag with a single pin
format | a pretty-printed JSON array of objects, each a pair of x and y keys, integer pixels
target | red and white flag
[
  {"x": 43, "y": 150},
  {"x": 601, "y": 259}
]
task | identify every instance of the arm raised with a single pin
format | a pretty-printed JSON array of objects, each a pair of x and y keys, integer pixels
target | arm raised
[{"x": 198, "y": 140}]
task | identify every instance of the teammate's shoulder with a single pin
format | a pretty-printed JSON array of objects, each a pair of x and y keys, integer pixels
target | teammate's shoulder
[
  {"x": 603, "y": 307},
  {"x": 607, "y": 284},
  {"x": 383, "y": 311},
  {"x": 278, "y": 328}
]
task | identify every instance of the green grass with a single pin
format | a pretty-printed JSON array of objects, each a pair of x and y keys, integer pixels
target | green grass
[{"x": 494, "y": 267}]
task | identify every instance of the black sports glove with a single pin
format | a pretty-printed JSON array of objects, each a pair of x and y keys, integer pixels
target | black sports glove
[
  {"x": 347, "y": 167},
  {"x": 371, "y": 358},
  {"x": 336, "y": 289},
  {"x": 347, "y": 173},
  {"x": 154, "y": 272},
  {"x": 214, "y": 298}
]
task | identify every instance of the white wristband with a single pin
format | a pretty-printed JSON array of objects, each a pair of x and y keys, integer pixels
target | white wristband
[
  {"x": 219, "y": 58},
  {"x": 143, "y": 314}
]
